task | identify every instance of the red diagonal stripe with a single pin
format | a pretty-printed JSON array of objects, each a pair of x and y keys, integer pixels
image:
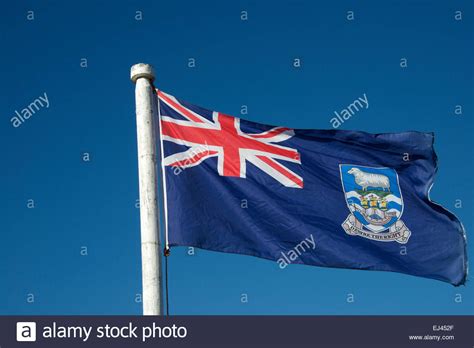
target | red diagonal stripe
[
  {"x": 278, "y": 167},
  {"x": 179, "y": 107},
  {"x": 270, "y": 134},
  {"x": 193, "y": 159}
]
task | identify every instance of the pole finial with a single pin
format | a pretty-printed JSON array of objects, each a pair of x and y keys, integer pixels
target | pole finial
[{"x": 142, "y": 70}]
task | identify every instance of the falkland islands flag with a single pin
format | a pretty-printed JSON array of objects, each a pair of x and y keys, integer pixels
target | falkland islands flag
[{"x": 327, "y": 198}]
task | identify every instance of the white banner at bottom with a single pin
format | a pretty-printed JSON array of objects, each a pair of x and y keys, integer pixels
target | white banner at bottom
[{"x": 398, "y": 232}]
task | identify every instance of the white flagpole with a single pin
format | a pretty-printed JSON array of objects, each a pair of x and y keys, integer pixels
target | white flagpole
[{"x": 143, "y": 75}]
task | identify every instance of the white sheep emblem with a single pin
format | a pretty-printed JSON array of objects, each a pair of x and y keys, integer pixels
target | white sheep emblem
[{"x": 365, "y": 179}]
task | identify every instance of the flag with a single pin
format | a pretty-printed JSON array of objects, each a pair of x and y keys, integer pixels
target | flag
[{"x": 329, "y": 198}]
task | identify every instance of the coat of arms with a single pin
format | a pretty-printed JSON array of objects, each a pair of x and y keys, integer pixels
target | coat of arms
[{"x": 374, "y": 198}]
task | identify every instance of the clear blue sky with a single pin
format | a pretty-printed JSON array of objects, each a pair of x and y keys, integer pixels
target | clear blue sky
[{"x": 92, "y": 204}]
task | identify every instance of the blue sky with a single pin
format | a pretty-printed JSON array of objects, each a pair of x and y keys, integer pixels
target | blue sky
[{"x": 91, "y": 204}]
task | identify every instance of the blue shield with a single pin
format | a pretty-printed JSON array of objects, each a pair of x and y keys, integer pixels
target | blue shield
[{"x": 372, "y": 195}]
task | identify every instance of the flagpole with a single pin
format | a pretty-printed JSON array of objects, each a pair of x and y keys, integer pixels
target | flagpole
[{"x": 143, "y": 75}]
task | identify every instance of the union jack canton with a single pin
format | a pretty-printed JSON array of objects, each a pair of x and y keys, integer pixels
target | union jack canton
[{"x": 222, "y": 137}]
